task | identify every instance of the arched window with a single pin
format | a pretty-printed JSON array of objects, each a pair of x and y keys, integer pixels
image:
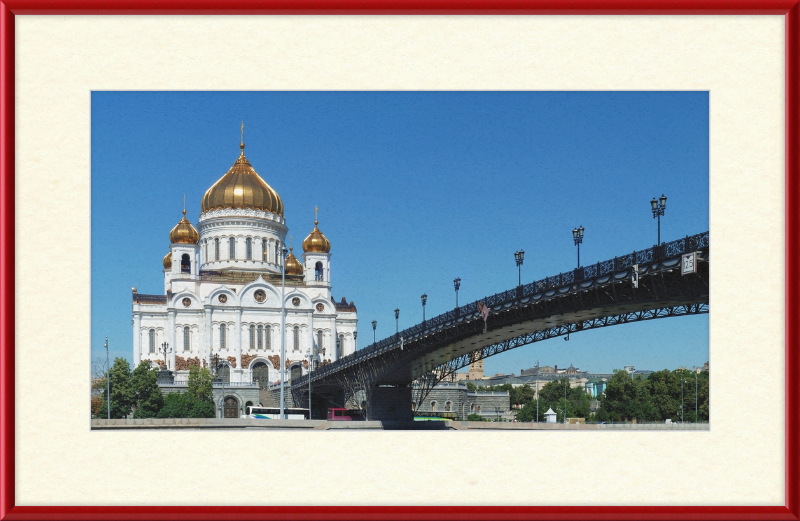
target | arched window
[
  {"x": 297, "y": 338},
  {"x": 249, "y": 248},
  {"x": 433, "y": 406},
  {"x": 252, "y": 337},
  {"x": 260, "y": 337},
  {"x": 264, "y": 250},
  {"x": 318, "y": 271},
  {"x": 471, "y": 407},
  {"x": 340, "y": 346},
  {"x": 186, "y": 339},
  {"x": 232, "y": 243},
  {"x": 222, "y": 336},
  {"x": 319, "y": 341},
  {"x": 152, "y": 334},
  {"x": 447, "y": 406},
  {"x": 479, "y": 409},
  {"x": 185, "y": 263},
  {"x": 267, "y": 339},
  {"x": 216, "y": 249}
]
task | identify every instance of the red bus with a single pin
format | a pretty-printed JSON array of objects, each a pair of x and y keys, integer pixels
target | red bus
[{"x": 339, "y": 414}]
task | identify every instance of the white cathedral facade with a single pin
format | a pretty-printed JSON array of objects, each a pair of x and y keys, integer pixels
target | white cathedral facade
[{"x": 222, "y": 291}]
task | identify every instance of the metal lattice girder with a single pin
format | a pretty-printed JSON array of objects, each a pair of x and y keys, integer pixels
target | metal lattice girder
[{"x": 593, "y": 296}]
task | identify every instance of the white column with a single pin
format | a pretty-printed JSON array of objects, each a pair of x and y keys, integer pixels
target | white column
[
  {"x": 335, "y": 354},
  {"x": 207, "y": 338},
  {"x": 171, "y": 339},
  {"x": 137, "y": 339},
  {"x": 238, "y": 338}
]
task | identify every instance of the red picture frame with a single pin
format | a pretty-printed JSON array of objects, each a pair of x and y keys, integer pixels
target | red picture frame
[{"x": 790, "y": 9}]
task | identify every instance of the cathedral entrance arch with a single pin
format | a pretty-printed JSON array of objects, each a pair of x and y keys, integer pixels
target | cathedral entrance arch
[
  {"x": 224, "y": 372},
  {"x": 261, "y": 374},
  {"x": 231, "y": 408},
  {"x": 295, "y": 372}
]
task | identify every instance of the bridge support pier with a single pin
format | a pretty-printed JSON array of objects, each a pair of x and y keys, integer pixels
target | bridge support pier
[{"x": 390, "y": 404}]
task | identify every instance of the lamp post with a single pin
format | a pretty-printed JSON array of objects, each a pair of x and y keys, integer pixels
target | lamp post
[
  {"x": 108, "y": 381},
  {"x": 282, "y": 416},
  {"x": 658, "y": 210},
  {"x": 566, "y": 380},
  {"x": 682, "y": 380},
  {"x": 374, "y": 325},
  {"x": 310, "y": 362},
  {"x": 396, "y": 321},
  {"x": 424, "y": 301},
  {"x": 215, "y": 358},
  {"x": 457, "y": 284},
  {"x": 519, "y": 256},
  {"x": 165, "y": 349},
  {"x": 577, "y": 237}
]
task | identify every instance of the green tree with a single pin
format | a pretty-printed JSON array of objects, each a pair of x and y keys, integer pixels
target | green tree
[
  {"x": 147, "y": 397},
  {"x": 200, "y": 384},
  {"x": 528, "y": 412},
  {"x": 471, "y": 386},
  {"x": 176, "y": 405},
  {"x": 121, "y": 390},
  {"x": 474, "y": 418}
]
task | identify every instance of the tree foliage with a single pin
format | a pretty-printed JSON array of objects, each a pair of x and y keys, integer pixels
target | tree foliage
[
  {"x": 200, "y": 384},
  {"x": 656, "y": 398},
  {"x": 147, "y": 397},
  {"x": 122, "y": 397}
]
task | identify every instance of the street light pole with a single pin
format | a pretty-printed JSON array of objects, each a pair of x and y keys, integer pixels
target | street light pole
[
  {"x": 457, "y": 284},
  {"x": 310, "y": 362},
  {"x": 396, "y": 321},
  {"x": 682, "y": 380},
  {"x": 282, "y": 416},
  {"x": 108, "y": 381},
  {"x": 374, "y": 325},
  {"x": 424, "y": 301},
  {"x": 165, "y": 348},
  {"x": 566, "y": 380},
  {"x": 658, "y": 208},
  {"x": 577, "y": 237},
  {"x": 519, "y": 256}
]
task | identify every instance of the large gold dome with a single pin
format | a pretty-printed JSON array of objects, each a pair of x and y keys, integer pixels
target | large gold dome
[
  {"x": 242, "y": 187},
  {"x": 293, "y": 266},
  {"x": 316, "y": 242},
  {"x": 184, "y": 232}
]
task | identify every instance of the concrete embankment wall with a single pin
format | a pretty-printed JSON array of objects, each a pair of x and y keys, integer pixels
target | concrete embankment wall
[{"x": 239, "y": 423}]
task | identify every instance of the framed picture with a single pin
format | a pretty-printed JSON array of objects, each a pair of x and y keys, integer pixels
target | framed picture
[{"x": 744, "y": 55}]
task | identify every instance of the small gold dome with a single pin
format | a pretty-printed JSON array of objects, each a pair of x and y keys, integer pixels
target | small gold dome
[
  {"x": 168, "y": 261},
  {"x": 316, "y": 242},
  {"x": 242, "y": 187},
  {"x": 293, "y": 266},
  {"x": 184, "y": 232}
]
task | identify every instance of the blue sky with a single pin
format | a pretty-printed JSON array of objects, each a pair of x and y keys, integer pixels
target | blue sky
[{"x": 414, "y": 189}]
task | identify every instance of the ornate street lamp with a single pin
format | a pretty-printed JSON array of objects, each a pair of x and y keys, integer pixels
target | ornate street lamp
[
  {"x": 374, "y": 325},
  {"x": 165, "y": 349},
  {"x": 519, "y": 256},
  {"x": 577, "y": 237},
  {"x": 457, "y": 284},
  {"x": 424, "y": 298},
  {"x": 658, "y": 210},
  {"x": 396, "y": 321}
]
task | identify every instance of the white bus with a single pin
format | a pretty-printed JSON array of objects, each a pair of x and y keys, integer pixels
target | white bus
[{"x": 273, "y": 413}]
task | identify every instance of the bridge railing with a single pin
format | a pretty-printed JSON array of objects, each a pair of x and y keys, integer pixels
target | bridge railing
[{"x": 655, "y": 253}]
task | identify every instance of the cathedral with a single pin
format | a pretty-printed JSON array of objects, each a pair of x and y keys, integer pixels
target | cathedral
[{"x": 222, "y": 291}]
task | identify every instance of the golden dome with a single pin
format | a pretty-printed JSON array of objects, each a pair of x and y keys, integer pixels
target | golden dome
[
  {"x": 293, "y": 266},
  {"x": 316, "y": 242},
  {"x": 168, "y": 261},
  {"x": 242, "y": 187},
  {"x": 184, "y": 232}
]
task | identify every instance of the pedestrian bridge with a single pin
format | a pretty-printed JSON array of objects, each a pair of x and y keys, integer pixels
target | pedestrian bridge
[{"x": 394, "y": 374}]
